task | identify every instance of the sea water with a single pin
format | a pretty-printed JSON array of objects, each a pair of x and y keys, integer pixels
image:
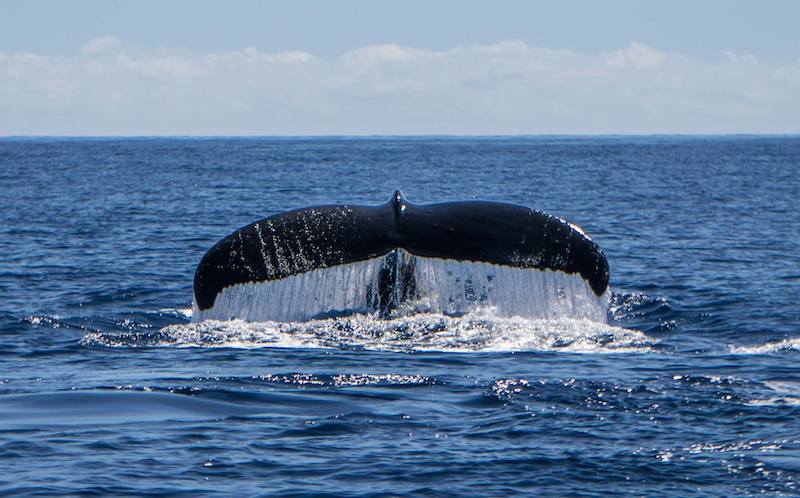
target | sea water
[{"x": 684, "y": 383}]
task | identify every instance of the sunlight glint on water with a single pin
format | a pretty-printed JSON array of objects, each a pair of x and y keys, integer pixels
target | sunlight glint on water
[{"x": 107, "y": 388}]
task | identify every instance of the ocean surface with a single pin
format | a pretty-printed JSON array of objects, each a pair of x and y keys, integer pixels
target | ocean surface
[{"x": 692, "y": 388}]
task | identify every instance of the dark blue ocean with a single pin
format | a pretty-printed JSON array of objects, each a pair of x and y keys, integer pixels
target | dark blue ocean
[{"x": 692, "y": 389}]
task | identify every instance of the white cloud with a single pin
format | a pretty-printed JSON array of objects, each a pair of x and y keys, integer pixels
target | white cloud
[
  {"x": 504, "y": 88},
  {"x": 636, "y": 55},
  {"x": 390, "y": 52},
  {"x": 740, "y": 58},
  {"x": 101, "y": 44}
]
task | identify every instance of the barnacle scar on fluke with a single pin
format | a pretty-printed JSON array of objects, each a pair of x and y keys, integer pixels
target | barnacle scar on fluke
[{"x": 447, "y": 258}]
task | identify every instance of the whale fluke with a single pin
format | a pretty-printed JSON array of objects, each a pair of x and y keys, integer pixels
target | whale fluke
[{"x": 445, "y": 257}]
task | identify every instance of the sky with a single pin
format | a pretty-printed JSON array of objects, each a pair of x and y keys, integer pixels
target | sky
[{"x": 354, "y": 67}]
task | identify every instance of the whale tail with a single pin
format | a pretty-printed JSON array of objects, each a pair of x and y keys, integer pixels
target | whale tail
[{"x": 447, "y": 257}]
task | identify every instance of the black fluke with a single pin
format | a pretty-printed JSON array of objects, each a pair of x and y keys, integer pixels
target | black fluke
[{"x": 298, "y": 241}]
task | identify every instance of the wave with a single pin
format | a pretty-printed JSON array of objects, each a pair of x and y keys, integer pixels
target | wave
[
  {"x": 791, "y": 344},
  {"x": 104, "y": 406}
]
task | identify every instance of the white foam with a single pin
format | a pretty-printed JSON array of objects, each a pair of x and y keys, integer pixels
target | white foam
[
  {"x": 788, "y": 392},
  {"x": 476, "y": 331},
  {"x": 769, "y": 347},
  {"x": 775, "y": 401},
  {"x": 443, "y": 286},
  {"x": 183, "y": 312}
]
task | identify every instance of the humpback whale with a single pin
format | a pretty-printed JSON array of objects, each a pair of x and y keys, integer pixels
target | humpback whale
[{"x": 447, "y": 257}]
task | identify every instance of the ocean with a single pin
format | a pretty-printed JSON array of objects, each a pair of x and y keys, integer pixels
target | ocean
[{"x": 692, "y": 388}]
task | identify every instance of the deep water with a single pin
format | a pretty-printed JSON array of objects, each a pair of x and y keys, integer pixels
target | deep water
[{"x": 693, "y": 388}]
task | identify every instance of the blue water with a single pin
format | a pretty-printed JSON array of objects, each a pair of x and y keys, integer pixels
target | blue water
[{"x": 106, "y": 388}]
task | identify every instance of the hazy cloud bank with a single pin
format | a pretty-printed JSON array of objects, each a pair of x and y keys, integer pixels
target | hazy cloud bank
[{"x": 505, "y": 88}]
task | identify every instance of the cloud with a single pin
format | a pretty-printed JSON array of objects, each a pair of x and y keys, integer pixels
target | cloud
[
  {"x": 101, "y": 44},
  {"x": 505, "y": 88},
  {"x": 636, "y": 55}
]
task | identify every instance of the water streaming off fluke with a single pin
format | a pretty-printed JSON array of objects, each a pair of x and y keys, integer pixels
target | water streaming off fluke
[{"x": 431, "y": 285}]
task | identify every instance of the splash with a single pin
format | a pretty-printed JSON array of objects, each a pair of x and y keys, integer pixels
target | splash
[{"x": 477, "y": 331}]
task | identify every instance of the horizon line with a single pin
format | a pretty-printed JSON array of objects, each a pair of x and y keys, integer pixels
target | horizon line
[{"x": 401, "y": 135}]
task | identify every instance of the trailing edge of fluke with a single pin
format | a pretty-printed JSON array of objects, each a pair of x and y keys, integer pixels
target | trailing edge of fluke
[{"x": 303, "y": 240}]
